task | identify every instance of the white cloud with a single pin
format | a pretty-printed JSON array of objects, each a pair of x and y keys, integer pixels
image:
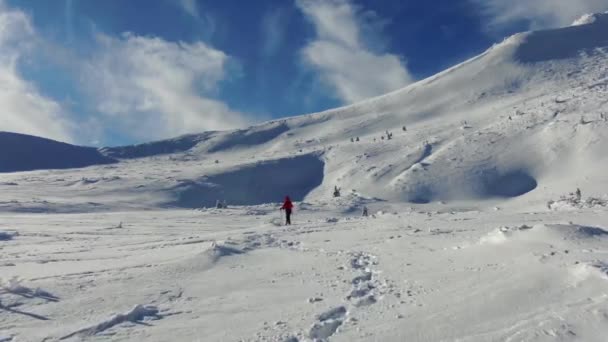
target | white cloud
[
  {"x": 68, "y": 11},
  {"x": 205, "y": 22},
  {"x": 538, "y": 13},
  {"x": 341, "y": 57},
  {"x": 190, "y": 6},
  {"x": 151, "y": 88},
  {"x": 24, "y": 109},
  {"x": 273, "y": 30}
]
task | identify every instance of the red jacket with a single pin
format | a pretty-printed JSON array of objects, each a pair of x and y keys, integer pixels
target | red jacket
[{"x": 287, "y": 204}]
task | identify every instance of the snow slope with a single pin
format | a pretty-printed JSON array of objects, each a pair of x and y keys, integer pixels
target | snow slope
[
  {"x": 469, "y": 239},
  {"x": 532, "y": 107}
]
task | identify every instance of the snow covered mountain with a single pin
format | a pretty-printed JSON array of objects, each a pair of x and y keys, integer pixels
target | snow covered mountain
[
  {"x": 25, "y": 153},
  {"x": 467, "y": 237},
  {"x": 524, "y": 115}
]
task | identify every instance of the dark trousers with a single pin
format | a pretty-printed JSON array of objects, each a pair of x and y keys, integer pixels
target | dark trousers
[{"x": 287, "y": 216}]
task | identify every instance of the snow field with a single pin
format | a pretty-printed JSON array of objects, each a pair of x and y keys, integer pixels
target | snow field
[{"x": 225, "y": 275}]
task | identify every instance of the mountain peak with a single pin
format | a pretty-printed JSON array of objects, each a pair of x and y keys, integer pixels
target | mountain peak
[
  {"x": 587, "y": 34},
  {"x": 589, "y": 18}
]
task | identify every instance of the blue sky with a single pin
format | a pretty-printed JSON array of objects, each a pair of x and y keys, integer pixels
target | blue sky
[{"x": 125, "y": 71}]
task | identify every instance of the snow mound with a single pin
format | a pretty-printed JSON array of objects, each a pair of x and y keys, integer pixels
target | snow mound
[
  {"x": 554, "y": 233},
  {"x": 586, "y": 270},
  {"x": 14, "y": 285},
  {"x": 348, "y": 203},
  {"x": 601, "y": 268},
  {"x": 572, "y": 203},
  {"x": 137, "y": 314},
  {"x": 495, "y": 237},
  {"x": 572, "y": 232},
  {"x": 217, "y": 251},
  {"x": 205, "y": 260}
]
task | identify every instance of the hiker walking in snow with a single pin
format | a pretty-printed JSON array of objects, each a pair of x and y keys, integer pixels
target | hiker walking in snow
[
  {"x": 336, "y": 191},
  {"x": 287, "y": 206}
]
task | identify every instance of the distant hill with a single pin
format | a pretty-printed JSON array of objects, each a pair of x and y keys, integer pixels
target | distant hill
[
  {"x": 21, "y": 152},
  {"x": 524, "y": 122},
  {"x": 207, "y": 142}
]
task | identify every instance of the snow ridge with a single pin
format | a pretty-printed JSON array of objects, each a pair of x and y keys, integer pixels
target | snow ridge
[{"x": 137, "y": 314}]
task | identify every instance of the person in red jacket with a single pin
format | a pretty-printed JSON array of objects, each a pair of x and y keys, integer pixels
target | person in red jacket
[{"x": 287, "y": 206}]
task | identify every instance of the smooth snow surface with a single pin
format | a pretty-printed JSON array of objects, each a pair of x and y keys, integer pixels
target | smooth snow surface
[{"x": 475, "y": 230}]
